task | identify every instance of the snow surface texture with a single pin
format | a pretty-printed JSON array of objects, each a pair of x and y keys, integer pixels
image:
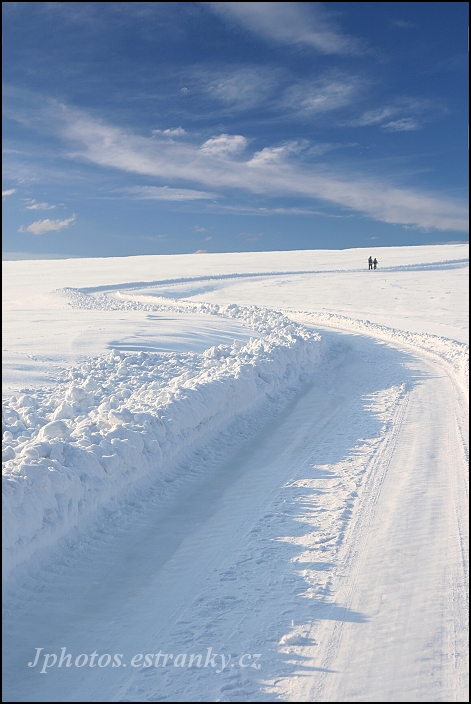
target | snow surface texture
[{"x": 184, "y": 469}]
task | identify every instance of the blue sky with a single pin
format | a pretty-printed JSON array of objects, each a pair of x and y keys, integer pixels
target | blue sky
[{"x": 159, "y": 128}]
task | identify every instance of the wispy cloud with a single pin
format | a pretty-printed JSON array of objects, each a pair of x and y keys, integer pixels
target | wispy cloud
[
  {"x": 405, "y": 124},
  {"x": 294, "y": 211},
  {"x": 33, "y": 205},
  {"x": 240, "y": 89},
  {"x": 410, "y": 114},
  {"x": 374, "y": 117},
  {"x": 331, "y": 91},
  {"x": 279, "y": 92},
  {"x": 41, "y": 226},
  {"x": 166, "y": 193},
  {"x": 9, "y": 192},
  {"x": 323, "y": 147},
  {"x": 218, "y": 164},
  {"x": 305, "y": 24}
]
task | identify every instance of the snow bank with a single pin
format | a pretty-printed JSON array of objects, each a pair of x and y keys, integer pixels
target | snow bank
[
  {"x": 452, "y": 354},
  {"x": 120, "y": 418}
]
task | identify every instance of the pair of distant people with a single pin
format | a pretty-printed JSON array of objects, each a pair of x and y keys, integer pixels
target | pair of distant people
[{"x": 372, "y": 263}]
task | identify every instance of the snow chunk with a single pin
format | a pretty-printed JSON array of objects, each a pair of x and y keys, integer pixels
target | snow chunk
[
  {"x": 55, "y": 429},
  {"x": 117, "y": 417},
  {"x": 65, "y": 410}
]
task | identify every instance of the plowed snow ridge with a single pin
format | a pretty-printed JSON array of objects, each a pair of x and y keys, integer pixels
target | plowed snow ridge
[{"x": 120, "y": 418}]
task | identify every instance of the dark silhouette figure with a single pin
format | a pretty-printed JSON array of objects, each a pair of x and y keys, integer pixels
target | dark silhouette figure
[
  {"x": 375, "y": 263},
  {"x": 370, "y": 263}
]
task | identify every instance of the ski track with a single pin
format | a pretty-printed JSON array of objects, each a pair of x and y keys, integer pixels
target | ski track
[{"x": 338, "y": 519}]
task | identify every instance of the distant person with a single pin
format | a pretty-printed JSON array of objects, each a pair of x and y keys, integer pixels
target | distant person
[
  {"x": 375, "y": 263},
  {"x": 370, "y": 263}
]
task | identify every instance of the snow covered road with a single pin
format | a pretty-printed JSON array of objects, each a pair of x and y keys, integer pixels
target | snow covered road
[
  {"x": 409, "y": 566},
  {"x": 331, "y": 546},
  {"x": 283, "y": 518}
]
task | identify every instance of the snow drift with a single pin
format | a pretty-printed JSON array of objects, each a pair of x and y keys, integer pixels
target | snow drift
[{"x": 122, "y": 418}]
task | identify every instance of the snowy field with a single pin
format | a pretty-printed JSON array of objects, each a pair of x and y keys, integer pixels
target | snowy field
[{"x": 236, "y": 477}]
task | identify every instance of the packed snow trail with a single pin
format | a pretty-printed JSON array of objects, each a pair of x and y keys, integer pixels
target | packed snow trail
[
  {"x": 409, "y": 568},
  {"x": 329, "y": 551}
]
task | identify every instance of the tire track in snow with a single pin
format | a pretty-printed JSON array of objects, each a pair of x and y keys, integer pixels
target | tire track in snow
[
  {"x": 353, "y": 554},
  {"x": 410, "y": 676}
]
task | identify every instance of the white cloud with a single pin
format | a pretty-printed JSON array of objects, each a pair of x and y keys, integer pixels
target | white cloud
[
  {"x": 113, "y": 147},
  {"x": 39, "y": 206},
  {"x": 405, "y": 124},
  {"x": 41, "y": 226},
  {"x": 307, "y": 24},
  {"x": 270, "y": 155},
  {"x": 9, "y": 192},
  {"x": 224, "y": 144},
  {"x": 166, "y": 193},
  {"x": 176, "y": 132}
]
